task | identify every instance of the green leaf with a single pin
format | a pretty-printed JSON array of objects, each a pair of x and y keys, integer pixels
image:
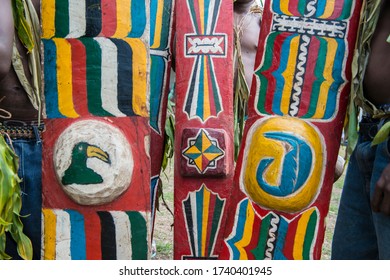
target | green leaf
[{"x": 382, "y": 134}]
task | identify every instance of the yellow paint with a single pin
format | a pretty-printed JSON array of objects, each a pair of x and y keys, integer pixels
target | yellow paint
[
  {"x": 193, "y": 150},
  {"x": 259, "y": 147},
  {"x": 325, "y": 86},
  {"x": 158, "y": 27},
  {"x": 48, "y": 18},
  {"x": 206, "y": 99},
  {"x": 201, "y": 13},
  {"x": 212, "y": 156},
  {"x": 123, "y": 24},
  {"x": 49, "y": 234},
  {"x": 206, "y": 143},
  {"x": 284, "y": 7},
  {"x": 64, "y": 78},
  {"x": 288, "y": 75},
  {"x": 206, "y": 203},
  {"x": 300, "y": 235},
  {"x": 140, "y": 70},
  {"x": 329, "y": 8},
  {"x": 198, "y": 162},
  {"x": 247, "y": 235}
]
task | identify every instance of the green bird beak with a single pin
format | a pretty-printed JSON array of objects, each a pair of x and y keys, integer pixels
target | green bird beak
[{"x": 93, "y": 151}]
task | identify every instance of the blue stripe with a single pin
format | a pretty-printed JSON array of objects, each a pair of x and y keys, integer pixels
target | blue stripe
[
  {"x": 320, "y": 8},
  {"x": 280, "y": 240},
  {"x": 276, "y": 7},
  {"x": 338, "y": 80},
  {"x": 157, "y": 76},
  {"x": 241, "y": 221},
  {"x": 50, "y": 72},
  {"x": 77, "y": 240},
  {"x": 199, "y": 219},
  {"x": 200, "y": 101},
  {"x": 153, "y": 19},
  {"x": 138, "y": 18}
]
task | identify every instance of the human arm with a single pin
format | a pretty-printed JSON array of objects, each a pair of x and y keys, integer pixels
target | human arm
[
  {"x": 380, "y": 201},
  {"x": 6, "y": 36}
]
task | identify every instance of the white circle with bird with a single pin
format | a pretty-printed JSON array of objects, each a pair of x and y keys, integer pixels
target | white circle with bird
[{"x": 93, "y": 162}]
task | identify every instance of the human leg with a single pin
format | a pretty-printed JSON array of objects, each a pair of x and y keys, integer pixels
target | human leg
[{"x": 354, "y": 236}]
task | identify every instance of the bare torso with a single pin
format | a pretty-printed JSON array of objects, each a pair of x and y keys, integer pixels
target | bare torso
[
  {"x": 249, "y": 23},
  {"x": 14, "y": 99},
  {"x": 377, "y": 77}
]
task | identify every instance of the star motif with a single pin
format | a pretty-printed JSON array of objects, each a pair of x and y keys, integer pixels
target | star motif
[{"x": 203, "y": 151}]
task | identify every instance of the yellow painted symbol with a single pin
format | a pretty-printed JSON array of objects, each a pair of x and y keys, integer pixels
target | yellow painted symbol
[{"x": 283, "y": 164}]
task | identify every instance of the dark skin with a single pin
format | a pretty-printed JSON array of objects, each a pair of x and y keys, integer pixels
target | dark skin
[
  {"x": 377, "y": 90},
  {"x": 14, "y": 102},
  {"x": 249, "y": 36}
]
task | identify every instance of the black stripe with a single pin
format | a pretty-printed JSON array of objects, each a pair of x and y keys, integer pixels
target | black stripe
[
  {"x": 190, "y": 224},
  {"x": 93, "y": 17},
  {"x": 108, "y": 236}
]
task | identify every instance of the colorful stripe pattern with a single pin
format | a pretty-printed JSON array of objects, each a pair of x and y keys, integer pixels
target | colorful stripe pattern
[
  {"x": 69, "y": 235},
  {"x": 272, "y": 236},
  {"x": 93, "y": 18},
  {"x": 95, "y": 76},
  {"x": 203, "y": 211},
  {"x": 160, "y": 37},
  {"x": 203, "y": 99},
  {"x": 303, "y": 63}
]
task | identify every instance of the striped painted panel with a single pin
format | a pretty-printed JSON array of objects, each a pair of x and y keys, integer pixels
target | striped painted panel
[
  {"x": 70, "y": 235},
  {"x": 203, "y": 211},
  {"x": 272, "y": 236},
  {"x": 92, "y": 18},
  {"x": 203, "y": 99},
  {"x": 303, "y": 67},
  {"x": 161, "y": 17},
  {"x": 95, "y": 76}
]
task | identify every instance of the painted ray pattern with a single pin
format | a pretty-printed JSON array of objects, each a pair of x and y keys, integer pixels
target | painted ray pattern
[
  {"x": 272, "y": 236},
  {"x": 93, "y": 18},
  {"x": 303, "y": 63},
  {"x": 160, "y": 40},
  {"x": 95, "y": 77},
  {"x": 203, "y": 212},
  {"x": 203, "y": 98},
  {"x": 107, "y": 235}
]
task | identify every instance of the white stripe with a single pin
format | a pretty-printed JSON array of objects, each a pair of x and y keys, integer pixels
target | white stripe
[
  {"x": 211, "y": 13},
  {"x": 62, "y": 235},
  {"x": 195, "y": 222},
  {"x": 42, "y": 236},
  {"x": 109, "y": 77},
  {"x": 194, "y": 104},
  {"x": 122, "y": 235},
  {"x": 77, "y": 20}
]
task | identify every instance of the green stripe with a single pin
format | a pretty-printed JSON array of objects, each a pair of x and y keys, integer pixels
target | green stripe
[
  {"x": 266, "y": 66},
  {"x": 347, "y": 9},
  {"x": 301, "y": 7},
  {"x": 62, "y": 18},
  {"x": 216, "y": 94},
  {"x": 215, "y": 225},
  {"x": 309, "y": 236},
  {"x": 259, "y": 251},
  {"x": 139, "y": 236},
  {"x": 94, "y": 74}
]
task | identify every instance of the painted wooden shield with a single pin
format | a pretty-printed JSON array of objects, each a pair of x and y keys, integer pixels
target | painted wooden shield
[
  {"x": 285, "y": 169},
  {"x": 96, "y": 165},
  {"x": 204, "y": 126},
  {"x": 161, "y": 40}
]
